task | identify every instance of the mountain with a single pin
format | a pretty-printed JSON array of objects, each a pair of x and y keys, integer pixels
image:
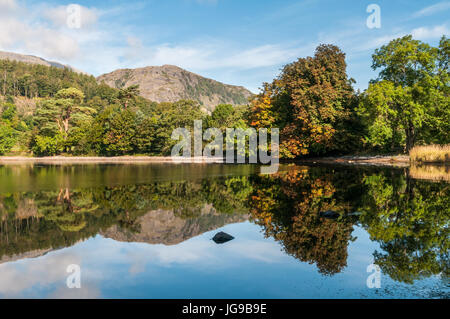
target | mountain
[
  {"x": 31, "y": 59},
  {"x": 169, "y": 83}
]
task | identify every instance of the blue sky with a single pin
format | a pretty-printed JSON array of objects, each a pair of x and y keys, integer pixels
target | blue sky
[{"x": 242, "y": 42}]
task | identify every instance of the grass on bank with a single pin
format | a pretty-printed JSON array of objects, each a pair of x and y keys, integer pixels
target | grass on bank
[{"x": 430, "y": 154}]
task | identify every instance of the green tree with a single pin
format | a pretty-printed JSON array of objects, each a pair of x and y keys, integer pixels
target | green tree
[
  {"x": 145, "y": 133},
  {"x": 410, "y": 93},
  {"x": 170, "y": 116},
  {"x": 7, "y": 138},
  {"x": 383, "y": 106},
  {"x": 128, "y": 94},
  {"x": 120, "y": 137},
  {"x": 58, "y": 118},
  {"x": 48, "y": 145},
  {"x": 9, "y": 112}
]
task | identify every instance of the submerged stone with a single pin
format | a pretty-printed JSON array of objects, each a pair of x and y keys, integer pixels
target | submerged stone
[
  {"x": 330, "y": 214},
  {"x": 221, "y": 238}
]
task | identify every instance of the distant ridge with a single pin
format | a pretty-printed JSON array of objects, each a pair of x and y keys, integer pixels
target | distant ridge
[
  {"x": 169, "y": 83},
  {"x": 34, "y": 60}
]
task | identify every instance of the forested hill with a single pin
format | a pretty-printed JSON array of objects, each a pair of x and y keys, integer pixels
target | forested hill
[
  {"x": 33, "y": 80},
  {"x": 170, "y": 83},
  {"x": 48, "y": 111},
  {"x": 33, "y": 60}
]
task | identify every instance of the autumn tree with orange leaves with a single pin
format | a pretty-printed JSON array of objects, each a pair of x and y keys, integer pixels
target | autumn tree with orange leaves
[{"x": 312, "y": 102}]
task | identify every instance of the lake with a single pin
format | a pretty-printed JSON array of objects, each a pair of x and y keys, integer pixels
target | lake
[{"x": 145, "y": 231}]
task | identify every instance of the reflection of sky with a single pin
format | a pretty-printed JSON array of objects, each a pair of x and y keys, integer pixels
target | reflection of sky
[{"x": 248, "y": 267}]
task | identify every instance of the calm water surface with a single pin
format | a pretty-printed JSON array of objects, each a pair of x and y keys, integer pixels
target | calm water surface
[{"x": 144, "y": 231}]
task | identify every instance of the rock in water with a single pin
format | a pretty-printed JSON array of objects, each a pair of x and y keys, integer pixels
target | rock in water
[
  {"x": 221, "y": 238},
  {"x": 329, "y": 214}
]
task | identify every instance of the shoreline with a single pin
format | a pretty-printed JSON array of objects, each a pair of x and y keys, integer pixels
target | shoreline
[
  {"x": 376, "y": 160},
  {"x": 58, "y": 160}
]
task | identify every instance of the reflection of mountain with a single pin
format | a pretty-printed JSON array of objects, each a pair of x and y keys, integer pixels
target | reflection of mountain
[
  {"x": 156, "y": 227},
  {"x": 158, "y": 213},
  {"x": 165, "y": 227}
]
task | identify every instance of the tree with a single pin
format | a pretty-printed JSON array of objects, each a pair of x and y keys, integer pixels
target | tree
[
  {"x": 68, "y": 102},
  {"x": 56, "y": 118},
  {"x": 310, "y": 101},
  {"x": 119, "y": 139},
  {"x": 145, "y": 133},
  {"x": 321, "y": 94},
  {"x": 170, "y": 116},
  {"x": 410, "y": 93},
  {"x": 383, "y": 106},
  {"x": 9, "y": 114},
  {"x": 262, "y": 108},
  {"x": 128, "y": 94},
  {"x": 227, "y": 116},
  {"x": 48, "y": 145},
  {"x": 7, "y": 138}
]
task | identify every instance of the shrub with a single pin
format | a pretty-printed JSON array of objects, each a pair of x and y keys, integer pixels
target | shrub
[
  {"x": 48, "y": 146},
  {"x": 7, "y": 139}
]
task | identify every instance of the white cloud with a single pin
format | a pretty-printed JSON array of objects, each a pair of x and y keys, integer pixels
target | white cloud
[
  {"x": 435, "y": 8},
  {"x": 87, "y": 291},
  {"x": 25, "y": 30},
  {"x": 35, "y": 39},
  {"x": 16, "y": 277},
  {"x": 425, "y": 33},
  {"x": 59, "y": 15},
  {"x": 422, "y": 33},
  {"x": 135, "y": 49},
  {"x": 208, "y": 55},
  {"x": 7, "y": 6},
  {"x": 42, "y": 30}
]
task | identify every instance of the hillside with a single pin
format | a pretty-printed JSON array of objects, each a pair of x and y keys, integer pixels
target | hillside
[
  {"x": 31, "y": 59},
  {"x": 32, "y": 77},
  {"x": 170, "y": 83}
]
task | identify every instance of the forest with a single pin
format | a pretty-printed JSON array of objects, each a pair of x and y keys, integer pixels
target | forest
[{"x": 46, "y": 111}]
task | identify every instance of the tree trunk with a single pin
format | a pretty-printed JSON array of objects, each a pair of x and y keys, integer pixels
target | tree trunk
[
  {"x": 66, "y": 126},
  {"x": 410, "y": 137}
]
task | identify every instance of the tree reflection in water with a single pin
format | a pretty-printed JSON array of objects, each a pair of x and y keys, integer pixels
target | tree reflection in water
[{"x": 408, "y": 217}]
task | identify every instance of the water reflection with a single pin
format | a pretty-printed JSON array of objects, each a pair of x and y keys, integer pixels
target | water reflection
[
  {"x": 407, "y": 217},
  {"x": 158, "y": 213},
  {"x": 46, "y": 208}
]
